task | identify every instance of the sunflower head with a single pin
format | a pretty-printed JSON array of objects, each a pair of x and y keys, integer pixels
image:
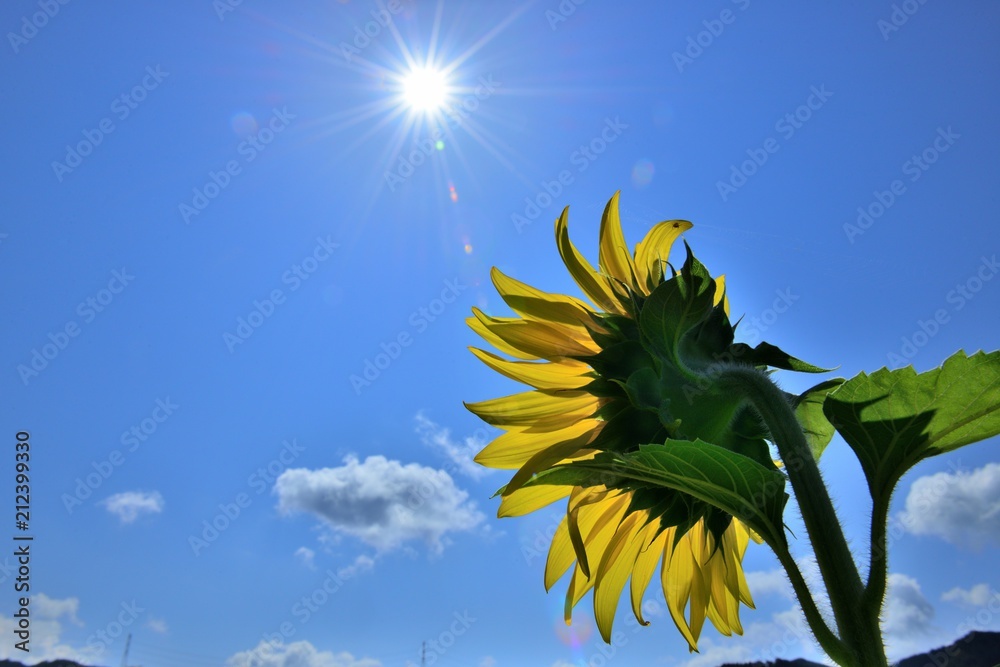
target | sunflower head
[{"x": 633, "y": 368}]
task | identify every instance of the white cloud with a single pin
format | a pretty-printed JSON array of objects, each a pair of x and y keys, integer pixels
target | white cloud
[
  {"x": 307, "y": 557},
  {"x": 130, "y": 505},
  {"x": 461, "y": 454},
  {"x": 46, "y": 633},
  {"x": 771, "y": 582},
  {"x": 296, "y": 654},
  {"x": 488, "y": 661},
  {"x": 961, "y": 507},
  {"x": 158, "y": 625},
  {"x": 51, "y": 608},
  {"x": 785, "y": 636},
  {"x": 977, "y": 596},
  {"x": 380, "y": 501},
  {"x": 907, "y": 624},
  {"x": 361, "y": 564}
]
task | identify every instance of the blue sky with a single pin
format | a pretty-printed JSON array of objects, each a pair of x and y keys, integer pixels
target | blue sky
[{"x": 219, "y": 218}]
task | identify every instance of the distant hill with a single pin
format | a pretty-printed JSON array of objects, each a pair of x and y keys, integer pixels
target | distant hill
[
  {"x": 777, "y": 663},
  {"x": 976, "y": 649}
]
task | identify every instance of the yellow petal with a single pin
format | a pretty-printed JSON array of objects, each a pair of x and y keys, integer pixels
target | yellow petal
[
  {"x": 515, "y": 447},
  {"x": 614, "y": 257},
  {"x": 644, "y": 568},
  {"x": 562, "y": 553},
  {"x": 525, "y": 501},
  {"x": 549, "y": 457},
  {"x": 597, "y": 541},
  {"x": 540, "y": 339},
  {"x": 676, "y": 577},
  {"x": 651, "y": 253},
  {"x": 579, "y": 584},
  {"x": 593, "y": 284},
  {"x": 561, "y": 374},
  {"x": 720, "y": 294},
  {"x": 699, "y": 587},
  {"x": 715, "y": 577},
  {"x": 603, "y": 504},
  {"x": 615, "y": 569},
  {"x": 543, "y": 410},
  {"x": 499, "y": 343},
  {"x": 535, "y": 304}
]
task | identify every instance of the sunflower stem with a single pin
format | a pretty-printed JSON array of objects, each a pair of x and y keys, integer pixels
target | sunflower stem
[
  {"x": 824, "y": 635},
  {"x": 859, "y": 632},
  {"x": 878, "y": 568}
]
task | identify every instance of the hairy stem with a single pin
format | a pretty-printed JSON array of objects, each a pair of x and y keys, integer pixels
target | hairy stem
[{"x": 857, "y": 630}]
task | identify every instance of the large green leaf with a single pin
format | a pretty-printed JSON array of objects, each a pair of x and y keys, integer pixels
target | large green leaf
[
  {"x": 894, "y": 419},
  {"x": 809, "y": 411},
  {"x": 732, "y": 482}
]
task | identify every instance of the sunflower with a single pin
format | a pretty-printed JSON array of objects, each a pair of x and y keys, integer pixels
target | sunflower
[{"x": 630, "y": 368}]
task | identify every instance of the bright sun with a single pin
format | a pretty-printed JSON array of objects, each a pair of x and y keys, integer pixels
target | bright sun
[{"x": 425, "y": 89}]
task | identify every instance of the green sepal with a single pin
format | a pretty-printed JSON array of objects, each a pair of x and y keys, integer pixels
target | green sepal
[
  {"x": 766, "y": 354},
  {"x": 674, "y": 309},
  {"x": 627, "y": 427}
]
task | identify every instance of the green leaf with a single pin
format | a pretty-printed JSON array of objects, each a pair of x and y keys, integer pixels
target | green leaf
[
  {"x": 569, "y": 475},
  {"x": 729, "y": 481},
  {"x": 808, "y": 408},
  {"x": 766, "y": 354},
  {"x": 894, "y": 419}
]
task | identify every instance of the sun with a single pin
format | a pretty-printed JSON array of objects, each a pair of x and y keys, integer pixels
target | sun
[{"x": 425, "y": 89}]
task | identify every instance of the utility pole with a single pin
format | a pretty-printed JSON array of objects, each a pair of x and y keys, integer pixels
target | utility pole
[
  {"x": 423, "y": 654},
  {"x": 128, "y": 641}
]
